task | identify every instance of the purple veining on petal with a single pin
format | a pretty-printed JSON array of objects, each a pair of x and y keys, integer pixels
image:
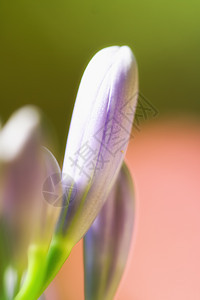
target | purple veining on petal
[
  {"x": 76, "y": 134},
  {"x": 118, "y": 85}
]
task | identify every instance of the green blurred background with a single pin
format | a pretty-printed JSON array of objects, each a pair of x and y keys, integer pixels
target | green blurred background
[{"x": 45, "y": 46}]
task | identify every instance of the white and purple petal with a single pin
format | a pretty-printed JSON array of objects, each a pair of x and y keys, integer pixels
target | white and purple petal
[{"x": 99, "y": 134}]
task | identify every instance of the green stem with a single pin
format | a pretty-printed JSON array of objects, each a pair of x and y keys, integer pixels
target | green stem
[
  {"x": 35, "y": 275},
  {"x": 43, "y": 268},
  {"x": 58, "y": 253}
]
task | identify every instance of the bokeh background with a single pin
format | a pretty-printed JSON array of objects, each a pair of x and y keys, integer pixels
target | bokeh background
[{"x": 44, "y": 48}]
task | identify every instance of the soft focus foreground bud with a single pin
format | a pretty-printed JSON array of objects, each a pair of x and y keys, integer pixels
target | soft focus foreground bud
[
  {"x": 45, "y": 215},
  {"x": 26, "y": 220},
  {"x": 107, "y": 243},
  {"x": 18, "y": 151},
  {"x": 99, "y": 134}
]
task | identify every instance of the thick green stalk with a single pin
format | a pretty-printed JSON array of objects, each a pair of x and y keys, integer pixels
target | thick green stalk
[
  {"x": 35, "y": 275},
  {"x": 43, "y": 268},
  {"x": 58, "y": 253}
]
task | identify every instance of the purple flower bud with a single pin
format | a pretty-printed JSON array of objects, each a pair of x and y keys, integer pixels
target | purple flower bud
[
  {"x": 107, "y": 243},
  {"x": 25, "y": 216},
  {"x": 99, "y": 134}
]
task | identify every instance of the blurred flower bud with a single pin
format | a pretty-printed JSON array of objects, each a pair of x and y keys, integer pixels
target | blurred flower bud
[
  {"x": 107, "y": 243},
  {"x": 19, "y": 148},
  {"x": 26, "y": 219}
]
